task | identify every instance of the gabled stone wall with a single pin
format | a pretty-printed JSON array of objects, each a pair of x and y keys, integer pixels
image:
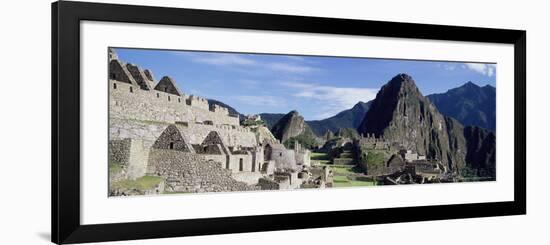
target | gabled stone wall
[
  {"x": 150, "y": 131},
  {"x": 187, "y": 172}
]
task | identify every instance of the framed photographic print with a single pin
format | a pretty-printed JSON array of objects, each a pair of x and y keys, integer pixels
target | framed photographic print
[{"x": 177, "y": 122}]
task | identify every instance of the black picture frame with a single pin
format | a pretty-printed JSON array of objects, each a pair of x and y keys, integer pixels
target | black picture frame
[{"x": 66, "y": 18}]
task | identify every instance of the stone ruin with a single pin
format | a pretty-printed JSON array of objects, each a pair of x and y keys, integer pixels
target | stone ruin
[
  {"x": 370, "y": 141},
  {"x": 402, "y": 165},
  {"x": 156, "y": 129}
]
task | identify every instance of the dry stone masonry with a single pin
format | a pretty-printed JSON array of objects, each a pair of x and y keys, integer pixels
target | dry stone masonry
[{"x": 155, "y": 129}]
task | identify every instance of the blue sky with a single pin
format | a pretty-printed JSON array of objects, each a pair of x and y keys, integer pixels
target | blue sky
[{"x": 317, "y": 87}]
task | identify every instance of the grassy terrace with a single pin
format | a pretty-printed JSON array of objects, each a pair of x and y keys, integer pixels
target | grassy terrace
[
  {"x": 343, "y": 174},
  {"x": 344, "y": 170},
  {"x": 343, "y": 181},
  {"x": 318, "y": 158}
]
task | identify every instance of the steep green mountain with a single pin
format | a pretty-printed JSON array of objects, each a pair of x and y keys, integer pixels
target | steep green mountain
[
  {"x": 271, "y": 118},
  {"x": 400, "y": 113},
  {"x": 470, "y": 104},
  {"x": 350, "y": 118},
  {"x": 480, "y": 150},
  {"x": 292, "y": 127}
]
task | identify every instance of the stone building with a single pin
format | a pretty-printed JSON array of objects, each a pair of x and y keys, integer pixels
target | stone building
[
  {"x": 157, "y": 129},
  {"x": 369, "y": 141}
]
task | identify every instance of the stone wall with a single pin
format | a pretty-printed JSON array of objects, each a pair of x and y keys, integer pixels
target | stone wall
[
  {"x": 119, "y": 151},
  {"x": 139, "y": 156},
  {"x": 198, "y": 102},
  {"x": 268, "y": 167},
  {"x": 118, "y": 71},
  {"x": 250, "y": 178},
  {"x": 120, "y": 128},
  {"x": 172, "y": 139},
  {"x": 268, "y": 184},
  {"x": 303, "y": 157},
  {"x": 140, "y": 77},
  {"x": 128, "y": 100},
  {"x": 284, "y": 158},
  {"x": 187, "y": 172},
  {"x": 131, "y": 154},
  {"x": 221, "y": 160},
  {"x": 240, "y": 163}
]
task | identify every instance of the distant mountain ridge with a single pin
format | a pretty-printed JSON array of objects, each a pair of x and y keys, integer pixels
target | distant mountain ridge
[
  {"x": 350, "y": 118},
  {"x": 470, "y": 104},
  {"x": 271, "y": 118}
]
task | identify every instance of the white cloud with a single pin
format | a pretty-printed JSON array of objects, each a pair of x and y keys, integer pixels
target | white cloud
[
  {"x": 290, "y": 68},
  {"x": 331, "y": 99},
  {"x": 265, "y": 100},
  {"x": 485, "y": 69},
  {"x": 447, "y": 67},
  {"x": 224, "y": 59},
  {"x": 244, "y": 60}
]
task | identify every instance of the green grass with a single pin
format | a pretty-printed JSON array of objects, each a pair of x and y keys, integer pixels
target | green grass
[
  {"x": 346, "y": 155},
  {"x": 343, "y": 170},
  {"x": 318, "y": 158},
  {"x": 322, "y": 163},
  {"x": 143, "y": 183},
  {"x": 114, "y": 168},
  {"x": 376, "y": 159},
  {"x": 340, "y": 179},
  {"x": 343, "y": 181},
  {"x": 175, "y": 192}
]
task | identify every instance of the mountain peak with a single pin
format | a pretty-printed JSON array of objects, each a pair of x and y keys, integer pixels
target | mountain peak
[
  {"x": 293, "y": 113},
  {"x": 401, "y": 83},
  {"x": 401, "y": 78},
  {"x": 397, "y": 98},
  {"x": 400, "y": 113},
  {"x": 470, "y": 84},
  {"x": 290, "y": 125}
]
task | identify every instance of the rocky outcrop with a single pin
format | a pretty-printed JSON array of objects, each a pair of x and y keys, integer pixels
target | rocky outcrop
[
  {"x": 328, "y": 135},
  {"x": 481, "y": 152},
  {"x": 292, "y": 129},
  {"x": 400, "y": 113},
  {"x": 290, "y": 125}
]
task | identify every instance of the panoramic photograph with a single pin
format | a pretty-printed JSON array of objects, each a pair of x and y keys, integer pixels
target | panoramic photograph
[{"x": 204, "y": 121}]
